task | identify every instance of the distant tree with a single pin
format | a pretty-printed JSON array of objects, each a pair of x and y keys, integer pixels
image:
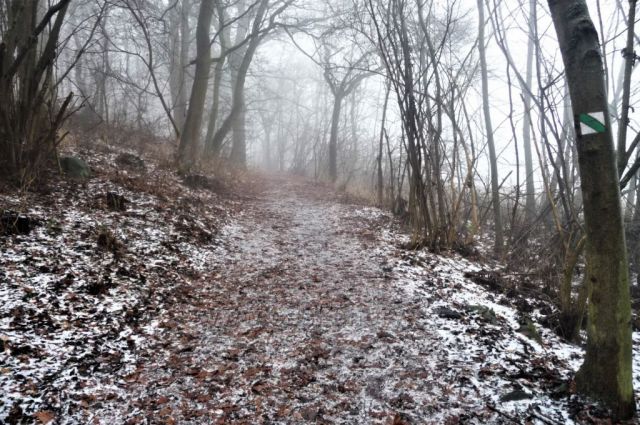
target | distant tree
[
  {"x": 606, "y": 373},
  {"x": 429, "y": 76},
  {"x": 254, "y": 25},
  {"x": 493, "y": 160},
  {"x": 179, "y": 42},
  {"x": 343, "y": 66},
  {"x": 190, "y": 135}
]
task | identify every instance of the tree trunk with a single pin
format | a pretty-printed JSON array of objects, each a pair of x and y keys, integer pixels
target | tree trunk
[
  {"x": 623, "y": 124},
  {"x": 333, "y": 138},
  {"x": 380, "y": 184},
  {"x": 239, "y": 147},
  {"x": 241, "y": 66},
  {"x": 189, "y": 139},
  {"x": 530, "y": 196},
  {"x": 180, "y": 62},
  {"x": 495, "y": 195},
  {"x": 28, "y": 122},
  {"x": 211, "y": 149},
  {"x": 606, "y": 372}
]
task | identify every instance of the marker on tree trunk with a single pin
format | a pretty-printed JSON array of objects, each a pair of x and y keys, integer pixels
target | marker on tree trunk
[{"x": 591, "y": 123}]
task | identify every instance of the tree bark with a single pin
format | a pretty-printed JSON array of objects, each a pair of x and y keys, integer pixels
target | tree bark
[
  {"x": 239, "y": 147},
  {"x": 189, "y": 139},
  {"x": 380, "y": 183},
  {"x": 333, "y": 137},
  {"x": 606, "y": 373},
  {"x": 626, "y": 90},
  {"x": 495, "y": 194},
  {"x": 212, "y": 150},
  {"x": 28, "y": 122},
  {"x": 241, "y": 66},
  {"x": 530, "y": 196},
  {"x": 181, "y": 57}
]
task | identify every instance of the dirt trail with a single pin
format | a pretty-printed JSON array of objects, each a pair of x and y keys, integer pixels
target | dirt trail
[
  {"x": 298, "y": 322},
  {"x": 302, "y": 320}
]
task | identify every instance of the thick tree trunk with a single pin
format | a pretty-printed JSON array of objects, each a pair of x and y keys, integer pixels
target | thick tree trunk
[
  {"x": 495, "y": 195},
  {"x": 606, "y": 372},
  {"x": 28, "y": 123},
  {"x": 190, "y": 137}
]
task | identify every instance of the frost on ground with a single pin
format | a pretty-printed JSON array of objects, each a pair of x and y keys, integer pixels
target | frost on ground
[
  {"x": 301, "y": 310},
  {"x": 81, "y": 293}
]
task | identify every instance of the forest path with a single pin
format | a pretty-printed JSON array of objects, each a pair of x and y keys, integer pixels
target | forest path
[
  {"x": 311, "y": 314},
  {"x": 297, "y": 322}
]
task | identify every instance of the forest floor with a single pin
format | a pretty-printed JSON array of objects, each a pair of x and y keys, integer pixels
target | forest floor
[{"x": 292, "y": 304}]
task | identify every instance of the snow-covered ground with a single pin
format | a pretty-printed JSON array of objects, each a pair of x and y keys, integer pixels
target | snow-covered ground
[
  {"x": 300, "y": 309},
  {"x": 74, "y": 310}
]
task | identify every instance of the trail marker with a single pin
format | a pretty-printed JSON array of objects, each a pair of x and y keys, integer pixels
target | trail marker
[{"x": 592, "y": 123}]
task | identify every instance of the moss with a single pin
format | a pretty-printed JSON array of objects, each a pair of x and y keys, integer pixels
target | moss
[{"x": 528, "y": 329}]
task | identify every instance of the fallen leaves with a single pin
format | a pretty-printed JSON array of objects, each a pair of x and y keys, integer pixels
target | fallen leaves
[
  {"x": 305, "y": 312},
  {"x": 44, "y": 416}
]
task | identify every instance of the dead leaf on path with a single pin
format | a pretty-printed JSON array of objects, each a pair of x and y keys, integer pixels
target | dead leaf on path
[
  {"x": 132, "y": 377},
  {"x": 193, "y": 371},
  {"x": 45, "y": 416},
  {"x": 203, "y": 398},
  {"x": 206, "y": 374},
  {"x": 398, "y": 420},
  {"x": 258, "y": 404},
  {"x": 252, "y": 333},
  {"x": 252, "y": 371},
  {"x": 261, "y": 387}
]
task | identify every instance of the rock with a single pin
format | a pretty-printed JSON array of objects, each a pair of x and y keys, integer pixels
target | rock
[
  {"x": 13, "y": 223},
  {"x": 116, "y": 202},
  {"x": 516, "y": 395},
  {"x": 487, "y": 278},
  {"x": 75, "y": 167},
  {"x": 487, "y": 314},
  {"x": 528, "y": 329},
  {"x": 447, "y": 313},
  {"x": 198, "y": 181},
  {"x": 131, "y": 162}
]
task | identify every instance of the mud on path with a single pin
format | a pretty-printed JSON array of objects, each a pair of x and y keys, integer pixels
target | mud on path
[{"x": 302, "y": 320}]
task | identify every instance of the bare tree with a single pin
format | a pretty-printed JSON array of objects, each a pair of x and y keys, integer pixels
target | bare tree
[
  {"x": 190, "y": 136},
  {"x": 30, "y": 114},
  {"x": 343, "y": 70},
  {"x": 493, "y": 160},
  {"x": 606, "y": 372},
  {"x": 264, "y": 22}
]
